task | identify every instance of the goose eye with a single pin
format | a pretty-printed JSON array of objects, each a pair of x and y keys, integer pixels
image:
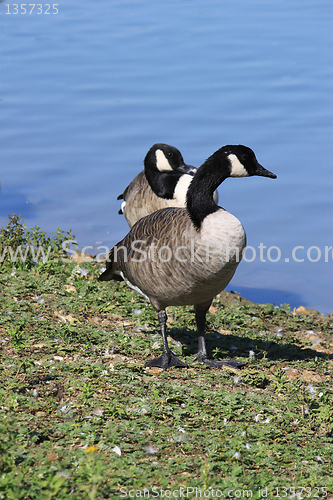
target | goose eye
[
  {"x": 170, "y": 154},
  {"x": 245, "y": 157}
]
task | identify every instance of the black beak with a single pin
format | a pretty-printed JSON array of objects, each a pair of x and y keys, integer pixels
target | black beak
[
  {"x": 186, "y": 169},
  {"x": 263, "y": 172}
]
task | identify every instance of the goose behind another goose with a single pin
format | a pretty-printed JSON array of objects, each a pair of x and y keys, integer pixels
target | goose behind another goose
[{"x": 186, "y": 256}]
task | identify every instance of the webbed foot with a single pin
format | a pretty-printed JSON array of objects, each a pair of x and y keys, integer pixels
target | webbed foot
[
  {"x": 231, "y": 363},
  {"x": 167, "y": 360}
]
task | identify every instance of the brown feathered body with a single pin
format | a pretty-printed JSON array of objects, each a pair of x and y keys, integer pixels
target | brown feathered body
[{"x": 172, "y": 262}]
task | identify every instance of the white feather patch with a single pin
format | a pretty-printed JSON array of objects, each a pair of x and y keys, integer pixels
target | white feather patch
[
  {"x": 137, "y": 289},
  {"x": 237, "y": 168},
  {"x": 181, "y": 189},
  {"x": 162, "y": 163},
  {"x": 179, "y": 195}
]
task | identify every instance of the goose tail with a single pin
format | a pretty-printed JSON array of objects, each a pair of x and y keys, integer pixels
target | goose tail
[{"x": 110, "y": 273}]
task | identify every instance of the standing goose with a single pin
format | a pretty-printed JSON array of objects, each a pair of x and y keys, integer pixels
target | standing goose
[
  {"x": 162, "y": 184},
  {"x": 186, "y": 256}
]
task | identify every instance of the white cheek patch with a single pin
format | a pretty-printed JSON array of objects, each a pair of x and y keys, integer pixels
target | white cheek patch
[
  {"x": 162, "y": 163},
  {"x": 237, "y": 168},
  {"x": 181, "y": 189}
]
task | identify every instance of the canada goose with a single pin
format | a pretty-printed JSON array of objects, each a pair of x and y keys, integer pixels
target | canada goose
[
  {"x": 186, "y": 256},
  {"x": 162, "y": 184}
]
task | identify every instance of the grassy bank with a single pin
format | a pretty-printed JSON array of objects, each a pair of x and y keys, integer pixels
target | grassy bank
[{"x": 81, "y": 418}]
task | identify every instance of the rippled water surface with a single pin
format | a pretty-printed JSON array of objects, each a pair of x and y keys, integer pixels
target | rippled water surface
[{"x": 86, "y": 91}]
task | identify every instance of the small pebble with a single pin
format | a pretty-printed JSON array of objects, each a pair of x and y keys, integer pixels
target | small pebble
[
  {"x": 150, "y": 450},
  {"x": 311, "y": 390}
]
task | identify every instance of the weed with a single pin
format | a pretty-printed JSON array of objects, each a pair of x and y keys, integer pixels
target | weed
[{"x": 23, "y": 249}]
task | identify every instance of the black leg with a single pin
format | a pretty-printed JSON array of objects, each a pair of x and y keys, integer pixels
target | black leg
[
  {"x": 200, "y": 317},
  {"x": 168, "y": 358}
]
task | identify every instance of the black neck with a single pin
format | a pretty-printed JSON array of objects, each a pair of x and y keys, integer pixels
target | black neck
[
  {"x": 162, "y": 183},
  {"x": 199, "y": 199}
]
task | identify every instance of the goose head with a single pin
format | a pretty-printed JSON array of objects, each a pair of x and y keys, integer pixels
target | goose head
[
  {"x": 164, "y": 166},
  {"x": 228, "y": 161},
  {"x": 243, "y": 162}
]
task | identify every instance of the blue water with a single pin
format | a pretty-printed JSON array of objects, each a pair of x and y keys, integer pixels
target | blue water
[{"x": 85, "y": 93}]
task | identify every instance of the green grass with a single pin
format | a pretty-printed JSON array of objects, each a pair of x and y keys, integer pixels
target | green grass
[{"x": 81, "y": 418}]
